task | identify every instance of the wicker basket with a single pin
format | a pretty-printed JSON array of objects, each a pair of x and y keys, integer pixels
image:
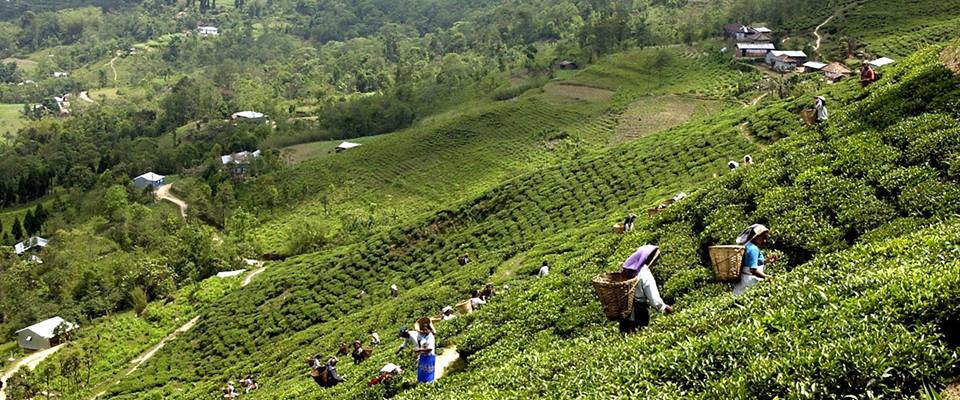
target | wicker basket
[
  {"x": 465, "y": 307},
  {"x": 615, "y": 291},
  {"x": 618, "y": 228},
  {"x": 726, "y": 262},
  {"x": 809, "y": 116}
]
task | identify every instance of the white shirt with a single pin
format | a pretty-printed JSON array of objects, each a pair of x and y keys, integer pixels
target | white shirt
[
  {"x": 476, "y": 302},
  {"x": 544, "y": 271},
  {"x": 647, "y": 291},
  {"x": 427, "y": 342},
  {"x": 374, "y": 338},
  {"x": 393, "y": 287}
]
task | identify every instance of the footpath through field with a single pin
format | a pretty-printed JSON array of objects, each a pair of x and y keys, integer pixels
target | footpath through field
[{"x": 30, "y": 362}]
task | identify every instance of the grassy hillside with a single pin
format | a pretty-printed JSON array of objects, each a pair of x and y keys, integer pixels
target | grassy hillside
[
  {"x": 460, "y": 154},
  {"x": 893, "y": 28},
  {"x": 865, "y": 297}
]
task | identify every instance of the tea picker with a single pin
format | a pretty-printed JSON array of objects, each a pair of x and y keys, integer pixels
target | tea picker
[
  {"x": 753, "y": 262},
  {"x": 621, "y": 297}
]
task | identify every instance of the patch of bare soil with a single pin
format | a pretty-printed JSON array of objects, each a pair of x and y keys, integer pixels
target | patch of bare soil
[{"x": 568, "y": 93}]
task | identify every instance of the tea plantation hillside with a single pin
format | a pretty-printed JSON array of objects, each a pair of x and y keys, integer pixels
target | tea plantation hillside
[
  {"x": 458, "y": 155},
  {"x": 866, "y": 297}
]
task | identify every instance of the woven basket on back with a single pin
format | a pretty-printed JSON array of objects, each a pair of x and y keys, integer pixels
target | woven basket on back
[
  {"x": 809, "y": 116},
  {"x": 615, "y": 291},
  {"x": 465, "y": 307},
  {"x": 726, "y": 262}
]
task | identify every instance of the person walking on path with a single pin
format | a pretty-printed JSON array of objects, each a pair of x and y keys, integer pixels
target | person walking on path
[{"x": 646, "y": 294}]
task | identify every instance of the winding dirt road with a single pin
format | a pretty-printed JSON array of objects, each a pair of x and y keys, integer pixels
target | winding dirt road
[
  {"x": 163, "y": 193},
  {"x": 816, "y": 32},
  {"x": 30, "y": 362},
  {"x": 113, "y": 67}
]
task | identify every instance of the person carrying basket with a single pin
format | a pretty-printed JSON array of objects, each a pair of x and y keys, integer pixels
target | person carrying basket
[
  {"x": 646, "y": 294},
  {"x": 751, "y": 268}
]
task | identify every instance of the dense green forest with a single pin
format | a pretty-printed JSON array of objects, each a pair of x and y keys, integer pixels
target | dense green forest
[{"x": 476, "y": 140}]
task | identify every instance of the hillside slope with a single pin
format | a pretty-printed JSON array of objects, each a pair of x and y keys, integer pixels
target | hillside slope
[{"x": 859, "y": 303}]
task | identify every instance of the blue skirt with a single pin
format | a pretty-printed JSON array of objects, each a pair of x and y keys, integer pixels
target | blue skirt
[{"x": 425, "y": 368}]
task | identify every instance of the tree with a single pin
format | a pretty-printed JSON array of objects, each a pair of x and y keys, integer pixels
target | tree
[
  {"x": 138, "y": 298},
  {"x": 17, "y": 230}
]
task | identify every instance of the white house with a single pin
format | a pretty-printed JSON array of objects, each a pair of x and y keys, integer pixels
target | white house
[
  {"x": 208, "y": 31},
  {"x": 148, "y": 179},
  {"x": 227, "y": 274},
  {"x": 242, "y": 157},
  {"x": 43, "y": 335},
  {"x": 247, "y": 115},
  {"x": 785, "y": 60},
  {"x": 754, "y": 50},
  {"x": 346, "y": 146},
  {"x": 34, "y": 242},
  {"x": 880, "y": 62},
  {"x": 60, "y": 74}
]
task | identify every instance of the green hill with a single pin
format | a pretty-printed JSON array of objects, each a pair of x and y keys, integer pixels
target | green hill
[{"x": 865, "y": 299}]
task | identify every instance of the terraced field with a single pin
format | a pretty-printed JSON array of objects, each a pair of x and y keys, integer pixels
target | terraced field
[{"x": 455, "y": 157}]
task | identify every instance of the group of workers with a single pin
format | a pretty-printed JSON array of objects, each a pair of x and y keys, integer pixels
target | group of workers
[
  {"x": 422, "y": 339},
  {"x": 249, "y": 384},
  {"x": 647, "y": 295}
]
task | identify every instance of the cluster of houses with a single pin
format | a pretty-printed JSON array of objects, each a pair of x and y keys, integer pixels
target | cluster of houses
[{"x": 756, "y": 42}]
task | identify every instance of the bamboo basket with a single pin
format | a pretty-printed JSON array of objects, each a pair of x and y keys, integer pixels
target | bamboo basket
[
  {"x": 615, "y": 291},
  {"x": 809, "y": 116},
  {"x": 726, "y": 262},
  {"x": 464, "y": 307},
  {"x": 618, "y": 228}
]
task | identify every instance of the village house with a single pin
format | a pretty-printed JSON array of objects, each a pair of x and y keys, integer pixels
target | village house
[
  {"x": 835, "y": 71},
  {"x": 33, "y": 243},
  {"x": 148, "y": 179},
  {"x": 811, "y": 66},
  {"x": 786, "y": 60},
  {"x": 239, "y": 163},
  {"x": 754, "y": 50},
  {"x": 206, "y": 31},
  {"x": 45, "y": 334}
]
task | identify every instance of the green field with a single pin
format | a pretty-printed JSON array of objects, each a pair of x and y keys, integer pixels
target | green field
[{"x": 11, "y": 120}]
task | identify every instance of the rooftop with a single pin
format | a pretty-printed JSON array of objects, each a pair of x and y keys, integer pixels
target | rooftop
[{"x": 47, "y": 328}]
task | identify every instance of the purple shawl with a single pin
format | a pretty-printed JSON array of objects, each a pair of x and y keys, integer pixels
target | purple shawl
[{"x": 640, "y": 258}]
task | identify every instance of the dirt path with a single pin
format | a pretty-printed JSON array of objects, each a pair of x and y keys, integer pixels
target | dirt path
[
  {"x": 146, "y": 356},
  {"x": 754, "y": 101},
  {"x": 816, "y": 32},
  {"x": 113, "y": 67},
  {"x": 249, "y": 278},
  {"x": 30, "y": 362},
  {"x": 86, "y": 98},
  {"x": 445, "y": 360},
  {"x": 163, "y": 193}
]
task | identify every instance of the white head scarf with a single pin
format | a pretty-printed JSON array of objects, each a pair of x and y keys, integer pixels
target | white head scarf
[{"x": 751, "y": 232}]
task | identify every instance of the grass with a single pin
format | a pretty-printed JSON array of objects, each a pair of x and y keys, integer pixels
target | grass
[
  {"x": 299, "y": 153},
  {"x": 651, "y": 114},
  {"x": 895, "y": 28},
  {"x": 8, "y": 215},
  {"x": 12, "y": 119},
  {"x": 24, "y": 65}
]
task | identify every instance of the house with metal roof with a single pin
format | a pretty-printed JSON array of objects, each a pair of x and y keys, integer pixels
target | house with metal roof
[
  {"x": 32, "y": 243},
  {"x": 148, "y": 179},
  {"x": 44, "y": 334}
]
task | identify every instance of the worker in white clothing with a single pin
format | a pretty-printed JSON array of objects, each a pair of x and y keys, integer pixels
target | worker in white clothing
[{"x": 646, "y": 295}]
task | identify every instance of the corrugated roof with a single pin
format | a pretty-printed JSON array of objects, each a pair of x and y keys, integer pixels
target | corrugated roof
[
  {"x": 756, "y": 46},
  {"x": 881, "y": 62},
  {"x": 47, "y": 328},
  {"x": 247, "y": 114},
  {"x": 150, "y": 176},
  {"x": 814, "y": 65},
  {"x": 762, "y": 29},
  {"x": 348, "y": 145},
  {"x": 789, "y": 53}
]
